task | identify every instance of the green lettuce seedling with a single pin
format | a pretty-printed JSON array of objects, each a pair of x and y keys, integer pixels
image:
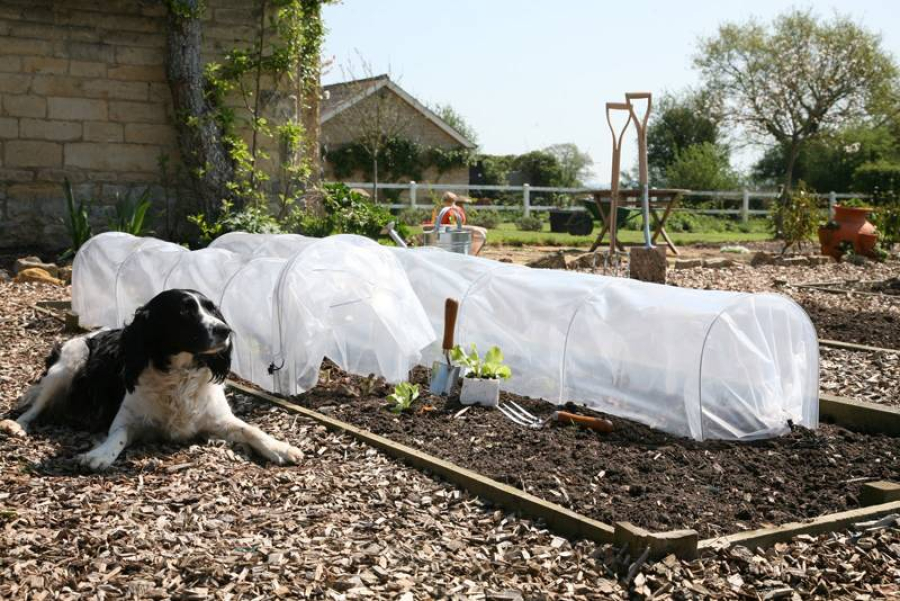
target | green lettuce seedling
[
  {"x": 490, "y": 367},
  {"x": 403, "y": 396}
]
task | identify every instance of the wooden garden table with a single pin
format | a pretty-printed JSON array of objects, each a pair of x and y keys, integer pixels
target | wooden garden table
[{"x": 661, "y": 199}]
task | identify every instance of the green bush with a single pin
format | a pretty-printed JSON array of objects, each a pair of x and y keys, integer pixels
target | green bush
[
  {"x": 413, "y": 216},
  {"x": 345, "y": 212},
  {"x": 877, "y": 176},
  {"x": 887, "y": 219},
  {"x": 488, "y": 218},
  {"x": 252, "y": 219},
  {"x": 796, "y": 218},
  {"x": 532, "y": 223}
]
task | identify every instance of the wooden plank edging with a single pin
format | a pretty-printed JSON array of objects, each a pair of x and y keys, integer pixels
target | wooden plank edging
[
  {"x": 852, "y": 346},
  {"x": 766, "y": 537},
  {"x": 559, "y": 519},
  {"x": 861, "y": 416}
]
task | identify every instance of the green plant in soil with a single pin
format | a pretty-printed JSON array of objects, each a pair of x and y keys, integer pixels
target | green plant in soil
[
  {"x": 130, "y": 214},
  {"x": 403, "y": 397},
  {"x": 78, "y": 224},
  {"x": 490, "y": 366},
  {"x": 854, "y": 203}
]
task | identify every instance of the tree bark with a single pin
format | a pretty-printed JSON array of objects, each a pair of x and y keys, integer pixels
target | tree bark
[
  {"x": 199, "y": 135},
  {"x": 789, "y": 168}
]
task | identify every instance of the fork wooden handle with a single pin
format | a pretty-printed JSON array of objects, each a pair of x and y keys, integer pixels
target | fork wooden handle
[{"x": 594, "y": 423}]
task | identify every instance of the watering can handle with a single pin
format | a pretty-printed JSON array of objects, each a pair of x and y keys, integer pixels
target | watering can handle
[{"x": 451, "y": 310}]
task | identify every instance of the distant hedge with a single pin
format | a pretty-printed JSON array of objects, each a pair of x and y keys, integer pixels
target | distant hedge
[{"x": 877, "y": 176}]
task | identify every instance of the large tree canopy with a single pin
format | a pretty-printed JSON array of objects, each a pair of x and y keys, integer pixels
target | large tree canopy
[
  {"x": 791, "y": 80},
  {"x": 677, "y": 123},
  {"x": 574, "y": 164}
]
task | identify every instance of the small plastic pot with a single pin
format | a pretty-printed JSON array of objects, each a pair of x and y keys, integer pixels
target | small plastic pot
[{"x": 480, "y": 391}]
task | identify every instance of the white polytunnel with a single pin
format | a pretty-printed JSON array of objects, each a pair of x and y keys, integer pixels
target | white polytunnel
[
  {"x": 698, "y": 363},
  {"x": 344, "y": 297}
]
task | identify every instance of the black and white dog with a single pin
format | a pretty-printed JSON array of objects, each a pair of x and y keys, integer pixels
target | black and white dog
[{"x": 160, "y": 376}]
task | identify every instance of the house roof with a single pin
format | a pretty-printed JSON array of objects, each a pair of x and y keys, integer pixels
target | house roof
[{"x": 341, "y": 96}]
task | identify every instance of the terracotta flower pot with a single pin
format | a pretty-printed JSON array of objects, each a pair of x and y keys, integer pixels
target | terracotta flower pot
[{"x": 852, "y": 223}]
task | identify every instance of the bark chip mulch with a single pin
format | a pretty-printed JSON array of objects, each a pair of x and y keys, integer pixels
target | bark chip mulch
[{"x": 634, "y": 474}]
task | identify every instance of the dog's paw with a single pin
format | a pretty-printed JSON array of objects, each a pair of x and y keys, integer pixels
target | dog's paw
[
  {"x": 96, "y": 461},
  {"x": 282, "y": 453},
  {"x": 13, "y": 429}
]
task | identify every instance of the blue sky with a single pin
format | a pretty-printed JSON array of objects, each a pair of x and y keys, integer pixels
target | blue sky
[{"x": 526, "y": 74}]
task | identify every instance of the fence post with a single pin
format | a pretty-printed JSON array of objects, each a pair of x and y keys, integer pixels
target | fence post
[
  {"x": 832, "y": 200},
  {"x": 412, "y": 193},
  {"x": 526, "y": 200},
  {"x": 745, "y": 206}
]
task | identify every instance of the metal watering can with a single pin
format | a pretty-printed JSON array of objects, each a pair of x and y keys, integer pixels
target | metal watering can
[{"x": 454, "y": 239}]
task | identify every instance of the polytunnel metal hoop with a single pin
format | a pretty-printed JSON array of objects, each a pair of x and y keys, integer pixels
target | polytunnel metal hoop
[
  {"x": 562, "y": 364},
  {"x": 703, "y": 356}
]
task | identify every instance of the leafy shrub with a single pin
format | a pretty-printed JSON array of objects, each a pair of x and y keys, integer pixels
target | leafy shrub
[
  {"x": 796, "y": 218},
  {"x": 887, "y": 219},
  {"x": 854, "y": 203},
  {"x": 403, "y": 396},
  {"x": 532, "y": 223},
  {"x": 488, "y": 218},
  {"x": 130, "y": 214},
  {"x": 78, "y": 224},
  {"x": 876, "y": 176},
  {"x": 252, "y": 219},
  {"x": 346, "y": 212},
  {"x": 490, "y": 367},
  {"x": 414, "y": 216}
]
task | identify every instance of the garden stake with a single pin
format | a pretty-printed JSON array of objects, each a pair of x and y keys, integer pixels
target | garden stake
[
  {"x": 641, "y": 126},
  {"x": 443, "y": 374}
]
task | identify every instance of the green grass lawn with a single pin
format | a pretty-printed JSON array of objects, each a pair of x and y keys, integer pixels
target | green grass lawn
[{"x": 508, "y": 235}]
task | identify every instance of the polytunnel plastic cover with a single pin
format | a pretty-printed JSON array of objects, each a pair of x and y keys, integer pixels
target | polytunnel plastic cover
[{"x": 698, "y": 363}]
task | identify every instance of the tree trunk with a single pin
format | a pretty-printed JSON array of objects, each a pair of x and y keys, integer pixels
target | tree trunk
[
  {"x": 789, "y": 168},
  {"x": 375, "y": 177},
  {"x": 199, "y": 135}
]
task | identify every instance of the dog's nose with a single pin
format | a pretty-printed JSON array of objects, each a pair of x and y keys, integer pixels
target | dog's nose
[{"x": 221, "y": 330}]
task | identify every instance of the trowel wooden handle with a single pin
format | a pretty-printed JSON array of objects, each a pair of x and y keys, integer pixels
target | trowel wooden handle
[
  {"x": 594, "y": 423},
  {"x": 451, "y": 310}
]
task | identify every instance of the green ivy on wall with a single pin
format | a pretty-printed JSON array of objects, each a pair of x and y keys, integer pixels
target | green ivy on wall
[{"x": 400, "y": 159}]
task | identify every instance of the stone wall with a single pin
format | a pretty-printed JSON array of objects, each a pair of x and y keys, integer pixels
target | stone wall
[{"x": 83, "y": 96}]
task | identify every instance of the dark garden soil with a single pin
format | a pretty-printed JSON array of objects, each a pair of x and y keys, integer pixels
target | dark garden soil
[{"x": 634, "y": 474}]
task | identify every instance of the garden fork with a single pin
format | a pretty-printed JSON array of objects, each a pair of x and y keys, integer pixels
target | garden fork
[{"x": 515, "y": 413}]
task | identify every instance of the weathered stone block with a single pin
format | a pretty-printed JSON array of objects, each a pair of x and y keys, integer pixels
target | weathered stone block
[
  {"x": 14, "y": 83},
  {"x": 124, "y": 90},
  {"x": 35, "y": 263},
  {"x": 111, "y": 157},
  {"x": 87, "y": 69},
  {"x": 45, "y": 64},
  {"x": 24, "y": 105},
  {"x": 80, "y": 109},
  {"x": 34, "y": 191},
  {"x": 9, "y": 128},
  {"x": 37, "y": 276},
  {"x": 103, "y": 131},
  {"x": 137, "y": 72},
  {"x": 57, "y": 85},
  {"x": 134, "y": 55},
  {"x": 10, "y": 64},
  {"x": 688, "y": 263},
  {"x": 142, "y": 133},
  {"x": 136, "y": 112},
  {"x": 16, "y": 175},
  {"x": 798, "y": 260},
  {"x": 27, "y": 153},
  {"x": 717, "y": 263},
  {"x": 44, "y": 129},
  {"x": 87, "y": 51},
  {"x": 647, "y": 264},
  {"x": 35, "y": 47}
]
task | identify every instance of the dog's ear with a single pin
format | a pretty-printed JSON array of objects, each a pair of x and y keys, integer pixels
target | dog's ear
[
  {"x": 219, "y": 364},
  {"x": 135, "y": 348}
]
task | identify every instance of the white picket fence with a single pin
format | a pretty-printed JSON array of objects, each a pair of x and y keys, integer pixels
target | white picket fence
[{"x": 739, "y": 197}]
